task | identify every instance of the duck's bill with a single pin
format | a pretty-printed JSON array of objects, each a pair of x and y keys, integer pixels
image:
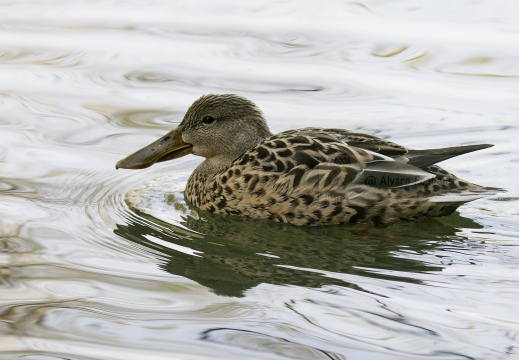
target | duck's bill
[{"x": 170, "y": 146}]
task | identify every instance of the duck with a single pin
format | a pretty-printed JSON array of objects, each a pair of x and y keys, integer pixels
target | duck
[{"x": 307, "y": 176}]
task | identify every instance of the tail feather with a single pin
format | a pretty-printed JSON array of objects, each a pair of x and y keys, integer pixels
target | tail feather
[
  {"x": 424, "y": 158},
  {"x": 465, "y": 196}
]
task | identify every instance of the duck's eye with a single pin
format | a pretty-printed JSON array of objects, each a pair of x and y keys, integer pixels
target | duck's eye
[{"x": 208, "y": 120}]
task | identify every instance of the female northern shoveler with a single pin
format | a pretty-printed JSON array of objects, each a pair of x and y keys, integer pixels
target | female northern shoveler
[{"x": 306, "y": 176}]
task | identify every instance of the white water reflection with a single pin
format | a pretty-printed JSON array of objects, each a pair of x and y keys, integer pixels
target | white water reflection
[{"x": 105, "y": 264}]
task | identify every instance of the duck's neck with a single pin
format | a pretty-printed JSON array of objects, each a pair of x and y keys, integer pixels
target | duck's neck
[
  {"x": 200, "y": 185},
  {"x": 228, "y": 153},
  {"x": 210, "y": 167}
]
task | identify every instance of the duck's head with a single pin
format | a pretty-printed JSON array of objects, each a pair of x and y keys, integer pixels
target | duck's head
[{"x": 217, "y": 127}]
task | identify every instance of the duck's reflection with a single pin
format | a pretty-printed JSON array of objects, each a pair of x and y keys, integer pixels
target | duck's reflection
[{"x": 232, "y": 254}]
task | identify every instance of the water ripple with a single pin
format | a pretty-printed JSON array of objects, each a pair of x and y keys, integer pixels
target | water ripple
[
  {"x": 96, "y": 260},
  {"x": 18, "y": 57}
]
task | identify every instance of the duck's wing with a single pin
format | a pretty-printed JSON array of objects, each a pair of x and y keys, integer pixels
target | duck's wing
[{"x": 318, "y": 160}]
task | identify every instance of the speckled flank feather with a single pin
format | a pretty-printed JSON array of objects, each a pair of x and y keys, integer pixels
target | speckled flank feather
[{"x": 306, "y": 176}]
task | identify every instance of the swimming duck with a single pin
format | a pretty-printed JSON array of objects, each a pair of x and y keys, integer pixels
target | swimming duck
[{"x": 305, "y": 176}]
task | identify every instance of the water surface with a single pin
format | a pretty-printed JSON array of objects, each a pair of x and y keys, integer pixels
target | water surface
[{"x": 104, "y": 264}]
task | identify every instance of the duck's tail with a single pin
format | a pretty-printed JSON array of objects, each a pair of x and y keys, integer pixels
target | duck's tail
[
  {"x": 427, "y": 157},
  {"x": 453, "y": 191},
  {"x": 465, "y": 196}
]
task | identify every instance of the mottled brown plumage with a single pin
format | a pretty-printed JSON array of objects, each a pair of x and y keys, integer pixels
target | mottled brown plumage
[{"x": 306, "y": 176}]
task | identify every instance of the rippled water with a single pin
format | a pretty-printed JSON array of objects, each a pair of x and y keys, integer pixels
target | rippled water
[{"x": 105, "y": 264}]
